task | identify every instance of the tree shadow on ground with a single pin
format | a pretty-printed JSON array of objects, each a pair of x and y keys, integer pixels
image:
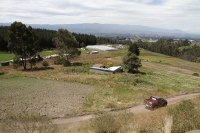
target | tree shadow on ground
[
  {"x": 76, "y": 64},
  {"x": 2, "y": 73},
  {"x": 38, "y": 69},
  {"x": 137, "y": 72}
]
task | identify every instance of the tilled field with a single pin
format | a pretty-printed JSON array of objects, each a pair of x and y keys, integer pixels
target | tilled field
[{"x": 47, "y": 97}]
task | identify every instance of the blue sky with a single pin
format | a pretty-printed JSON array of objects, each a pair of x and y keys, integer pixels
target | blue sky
[
  {"x": 156, "y": 2},
  {"x": 169, "y": 14}
]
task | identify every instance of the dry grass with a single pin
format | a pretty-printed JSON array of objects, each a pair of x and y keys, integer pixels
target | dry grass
[
  {"x": 121, "y": 90},
  {"x": 157, "y": 121},
  {"x": 168, "y": 124},
  {"x": 50, "y": 91},
  {"x": 26, "y": 123}
]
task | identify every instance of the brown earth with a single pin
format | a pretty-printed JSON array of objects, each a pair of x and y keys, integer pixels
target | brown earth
[{"x": 47, "y": 97}]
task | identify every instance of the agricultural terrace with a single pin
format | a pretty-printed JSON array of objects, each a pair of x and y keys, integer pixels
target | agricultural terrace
[
  {"x": 6, "y": 56},
  {"x": 63, "y": 90}
]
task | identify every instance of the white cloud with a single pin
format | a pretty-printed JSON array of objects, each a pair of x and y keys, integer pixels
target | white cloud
[{"x": 171, "y": 14}]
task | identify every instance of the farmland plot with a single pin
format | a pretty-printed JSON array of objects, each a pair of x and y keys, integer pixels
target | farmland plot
[{"x": 46, "y": 97}]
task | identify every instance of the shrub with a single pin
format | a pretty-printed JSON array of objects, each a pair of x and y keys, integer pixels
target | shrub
[
  {"x": 106, "y": 123},
  {"x": 57, "y": 61},
  {"x": 65, "y": 62},
  {"x": 45, "y": 63},
  {"x": 16, "y": 62},
  {"x": 61, "y": 61},
  {"x": 185, "y": 117},
  {"x": 109, "y": 64},
  {"x": 32, "y": 62},
  {"x": 195, "y": 74},
  {"x": 111, "y": 105}
]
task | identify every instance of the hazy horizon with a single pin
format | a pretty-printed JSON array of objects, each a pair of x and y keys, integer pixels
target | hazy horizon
[{"x": 168, "y": 14}]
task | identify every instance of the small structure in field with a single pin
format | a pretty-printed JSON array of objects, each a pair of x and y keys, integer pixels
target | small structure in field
[
  {"x": 120, "y": 46},
  {"x": 52, "y": 56},
  {"x": 101, "y": 47},
  {"x": 4, "y": 63},
  {"x": 116, "y": 68},
  {"x": 103, "y": 70},
  {"x": 93, "y": 52}
]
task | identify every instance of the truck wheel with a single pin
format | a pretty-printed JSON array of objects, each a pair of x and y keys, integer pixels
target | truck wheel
[{"x": 156, "y": 106}]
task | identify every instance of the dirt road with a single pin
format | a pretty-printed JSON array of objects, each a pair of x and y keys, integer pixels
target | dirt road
[{"x": 73, "y": 121}]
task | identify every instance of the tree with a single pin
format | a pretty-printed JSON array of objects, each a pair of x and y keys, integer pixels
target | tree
[
  {"x": 22, "y": 41},
  {"x": 66, "y": 43},
  {"x": 85, "y": 39},
  {"x": 133, "y": 48},
  {"x": 131, "y": 62},
  {"x": 3, "y": 38}
]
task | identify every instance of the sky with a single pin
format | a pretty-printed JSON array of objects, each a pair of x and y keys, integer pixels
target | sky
[{"x": 168, "y": 14}]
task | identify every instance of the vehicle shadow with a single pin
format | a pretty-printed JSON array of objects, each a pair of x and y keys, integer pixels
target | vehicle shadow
[{"x": 149, "y": 108}]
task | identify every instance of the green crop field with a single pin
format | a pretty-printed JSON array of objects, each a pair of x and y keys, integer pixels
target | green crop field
[
  {"x": 46, "y": 52},
  {"x": 6, "y": 56}
]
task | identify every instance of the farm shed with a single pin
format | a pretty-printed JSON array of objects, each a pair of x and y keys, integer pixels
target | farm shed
[
  {"x": 101, "y": 47},
  {"x": 52, "y": 56},
  {"x": 93, "y": 52},
  {"x": 116, "y": 69},
  {"x": 4, "y": 63},
  {"x": 110, "y": 70}
]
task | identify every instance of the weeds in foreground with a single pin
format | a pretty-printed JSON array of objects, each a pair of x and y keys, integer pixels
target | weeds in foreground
[
  {"x": 106, "y": 123},
  {"x": 25, "y": 123},
  {"x": 185, "y": 117},
  {"x": 168, "y": 124},
  {"x": 178, "y": 118}
]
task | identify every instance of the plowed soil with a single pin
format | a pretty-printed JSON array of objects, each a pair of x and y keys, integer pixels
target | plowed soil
[{"x": 46, "y": 97}]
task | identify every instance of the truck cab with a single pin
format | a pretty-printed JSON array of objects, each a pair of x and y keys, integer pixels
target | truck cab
[{"x": 155, "y": 102}]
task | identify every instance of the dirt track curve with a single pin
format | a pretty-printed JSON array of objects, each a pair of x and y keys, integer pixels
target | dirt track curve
[{"x": 73, "y": 121}]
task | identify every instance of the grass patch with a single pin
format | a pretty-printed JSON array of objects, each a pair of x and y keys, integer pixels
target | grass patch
[
  {"x": 184, "y": 47},
  {"x": 46, "y": 53},
  {"x": 77, "y": 70},
  {"x": 6, "y": 57},
  {"x": 126, "y": 89},
  {"x": 6, "y": 76}
]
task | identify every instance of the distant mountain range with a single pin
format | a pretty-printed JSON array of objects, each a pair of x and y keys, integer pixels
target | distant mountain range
[{"x": 116, "y": 30}]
